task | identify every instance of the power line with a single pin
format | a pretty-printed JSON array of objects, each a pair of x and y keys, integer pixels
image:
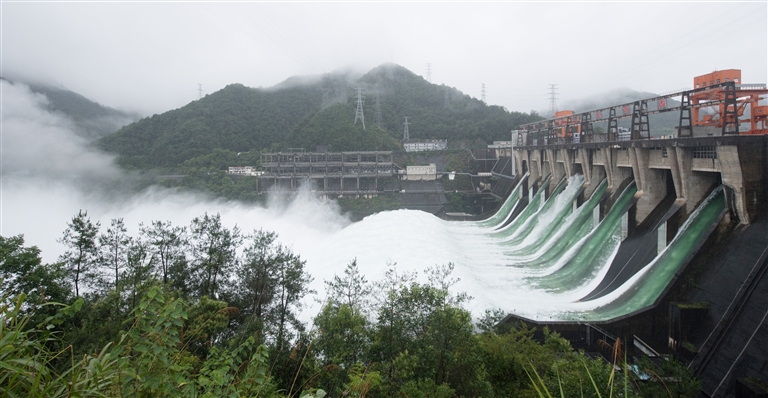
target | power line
[{"x": 377, "y": 112}]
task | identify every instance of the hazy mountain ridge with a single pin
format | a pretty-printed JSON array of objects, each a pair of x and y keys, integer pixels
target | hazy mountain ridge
[
  {"x": 91, "y": 119},
  {"x": 302, "y": 112}
]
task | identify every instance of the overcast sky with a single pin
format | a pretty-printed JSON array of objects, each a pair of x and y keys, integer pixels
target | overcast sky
[{"x": 150, "y": 57}]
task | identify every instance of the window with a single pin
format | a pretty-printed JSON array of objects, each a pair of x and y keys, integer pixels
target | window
[
  {"x": 718, "y": 81},
  {"x": 727, "y": 80},
  {"x": 705, "y": 152}
]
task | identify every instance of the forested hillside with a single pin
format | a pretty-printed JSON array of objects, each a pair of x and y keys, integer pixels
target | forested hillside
[{"x": 305, "y": 112}]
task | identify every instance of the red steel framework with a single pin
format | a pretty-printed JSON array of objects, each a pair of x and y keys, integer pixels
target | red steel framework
[{"x": 720, "y": 92}]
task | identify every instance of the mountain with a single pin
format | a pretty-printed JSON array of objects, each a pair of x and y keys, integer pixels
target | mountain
[
  {"x": 303, "y": 112},
  {"x": 91, "y": 119}
]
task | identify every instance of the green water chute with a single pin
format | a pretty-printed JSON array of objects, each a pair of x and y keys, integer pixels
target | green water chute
[
  {"x": 526, "y": 216},
  {"x": 644, "y": 289},
  {"x": 579, "y": 226},
  {"x": 501, "y": 216},
  {"x": 595, "y": 253},
  {"x": 515, "y": 237},
  {"x": 514, "y": 243}
]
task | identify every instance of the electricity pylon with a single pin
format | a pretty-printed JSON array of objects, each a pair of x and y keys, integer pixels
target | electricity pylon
[{"x": 359, "y": 113}]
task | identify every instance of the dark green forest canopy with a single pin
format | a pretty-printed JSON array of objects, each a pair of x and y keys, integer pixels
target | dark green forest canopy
[{"x": 306, "y": 112}]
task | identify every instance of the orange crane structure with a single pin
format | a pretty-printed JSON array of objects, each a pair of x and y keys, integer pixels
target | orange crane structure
[
  {"x": 731, "y": 100},
  {"x": 717, "y": 100}
]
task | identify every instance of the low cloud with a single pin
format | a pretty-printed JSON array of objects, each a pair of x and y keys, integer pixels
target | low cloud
[{"x": 41, "y": 144}]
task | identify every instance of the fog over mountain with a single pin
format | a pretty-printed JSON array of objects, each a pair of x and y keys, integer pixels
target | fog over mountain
[{"x": 49, "y": 173}]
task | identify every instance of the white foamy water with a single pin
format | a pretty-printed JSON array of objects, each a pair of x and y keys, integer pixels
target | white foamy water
[{"x": 313, "y": 228}]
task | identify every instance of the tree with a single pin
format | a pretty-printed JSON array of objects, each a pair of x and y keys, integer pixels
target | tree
[
  {"x": 272, "y": 281},
  {"x": 256, "y": 273},
  {"x": 343, "y": 329},
  {"x": 138, "y": 276},
  {"x": 82, "y": 252},
  {"x": 214, "y": 251},
  {"x": 114, "y": 246},
  {"x": 342, "y": 336},
  {"x": 422, "y": 332},
  {"x": 21, "y": 271},
  {"x": 167, "y": 244},
  {"x": 352, "y": 289}
]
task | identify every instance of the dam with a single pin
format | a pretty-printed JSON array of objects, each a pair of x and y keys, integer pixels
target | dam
[{"x": 659, "y": 242}]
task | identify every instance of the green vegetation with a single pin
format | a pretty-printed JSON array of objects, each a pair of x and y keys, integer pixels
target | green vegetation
[
  {"x": 292, "y": 115},
  {"x": 204, "y": 310}
]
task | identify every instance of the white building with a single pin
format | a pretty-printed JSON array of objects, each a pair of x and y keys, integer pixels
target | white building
[
  {"x": 428, "y": 145},
  {"x": 244, "y": 171},
  {"x": 500, "y": 145},
  {"x": 425, "y": 173}
]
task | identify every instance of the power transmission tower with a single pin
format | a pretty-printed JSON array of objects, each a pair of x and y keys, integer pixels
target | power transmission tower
[
  {"x": 429, "y": 73},
  {"x": 326, "y": 100},
  {"x": 377, "y": 112},
  {"x": 405, "y": 131},
  {"x": 482, "y": 95},
  {"x": 552, "y": 100},
  {"x": 199, "y": 91},
  {"x": 359, "y": 112}
]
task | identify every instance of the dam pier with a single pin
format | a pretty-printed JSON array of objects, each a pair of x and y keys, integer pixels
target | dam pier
[{"x": 688, "y": 167}]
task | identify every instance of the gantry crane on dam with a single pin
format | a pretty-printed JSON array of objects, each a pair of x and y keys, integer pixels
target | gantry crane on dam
[{"x": 726, "y": 100}]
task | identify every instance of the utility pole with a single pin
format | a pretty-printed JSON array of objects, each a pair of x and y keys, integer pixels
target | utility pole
[
  {"x": 482, "y": 95},
  {"x": 199, "y": 91},
  {"x": 377, "y": 112},
  {"x": 359, "y": 112},
  {"x": 429, "y": 73},
  {"x": 405, "y": 131},
  {"x": 552, "y": 100}
]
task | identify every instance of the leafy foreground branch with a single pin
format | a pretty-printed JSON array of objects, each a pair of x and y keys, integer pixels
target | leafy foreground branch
[{"x": 151, "y": 359}]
